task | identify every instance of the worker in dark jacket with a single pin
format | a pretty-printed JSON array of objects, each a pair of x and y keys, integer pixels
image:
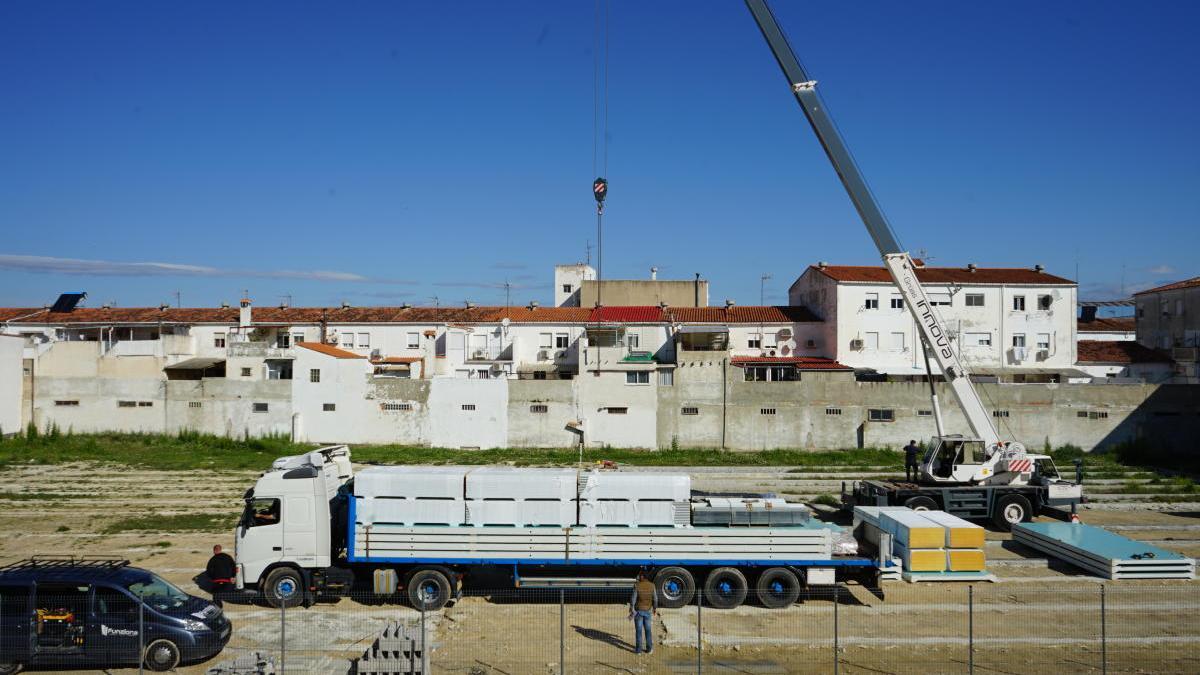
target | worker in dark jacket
[
  {"x": 221, "y": 571},
  {"x": 643, "y": 605},
  {"x": 912, "y": 466}
]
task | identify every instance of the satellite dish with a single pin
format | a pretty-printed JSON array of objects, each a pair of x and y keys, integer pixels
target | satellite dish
[
  {"x": 785, "y": 350},
  {"x": 785, "y": 334},
  {"x": 505, "y": 321}
]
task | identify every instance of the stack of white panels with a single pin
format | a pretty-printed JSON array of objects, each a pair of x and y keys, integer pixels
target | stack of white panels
[
  {"x": 507, "y": 496},
  {"x": 411, "y": 495},
  {"x": 610, "y": 499}
]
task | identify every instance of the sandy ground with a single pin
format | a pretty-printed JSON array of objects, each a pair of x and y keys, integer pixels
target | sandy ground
[{"x": 1040, "y": 615}]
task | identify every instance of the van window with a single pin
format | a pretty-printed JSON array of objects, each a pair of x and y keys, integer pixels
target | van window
[
  {"x": 113, "y": 603},
  {"x": 158, "y": 593},
  {"x": 13, "y": 600},
  {"x": 263, "y": 511}
]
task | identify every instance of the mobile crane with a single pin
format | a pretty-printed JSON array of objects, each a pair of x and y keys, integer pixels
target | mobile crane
[{"x": 977, "y": 476}]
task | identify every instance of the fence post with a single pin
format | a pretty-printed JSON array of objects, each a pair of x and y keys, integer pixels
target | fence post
[
  {"x": 699, "y": 633},
  {"x": 1103, "y": 634},
  {"x": 283, "y": 636},
  {"x": 971, "y": 629},
  {"x": 424, "y": 647},
  {"x": 141, "y": 634},
  {"x": 837, "y": 596},
  {"x": 562, "y": 632}
]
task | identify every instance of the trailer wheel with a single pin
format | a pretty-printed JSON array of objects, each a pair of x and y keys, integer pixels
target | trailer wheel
[
  {"x": 1010, "y": 510},
  {"x": 675, "y": 587},
  {"x": 725, "y": 588},
  {"x": 284, "y": 586},
  {"x": 161, "y": 656},
  {"x": 429, "y": 590},
  {"x": 921, "y": 504},
  {"x": 777, "y": 588}
]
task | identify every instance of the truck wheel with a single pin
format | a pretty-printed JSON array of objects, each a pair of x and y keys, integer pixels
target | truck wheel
[
  {"x": 284, "y": 587},
  {"x": 161, "y": 656},
  {"x": 777, "y": 588},
  {"x": 429, "y": 590},
  {"x": 921, "y": 504},
  {"x": 1010, "y": 510},
  {"x": 725, "y": 588},
  {"x": 675, "y": 587}
]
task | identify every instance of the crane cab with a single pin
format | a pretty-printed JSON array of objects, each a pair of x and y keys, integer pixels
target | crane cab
[{"x": 956, "y": 460}]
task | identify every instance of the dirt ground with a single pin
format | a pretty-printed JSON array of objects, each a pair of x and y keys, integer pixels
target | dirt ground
[{"x": 1039, "y": 616}]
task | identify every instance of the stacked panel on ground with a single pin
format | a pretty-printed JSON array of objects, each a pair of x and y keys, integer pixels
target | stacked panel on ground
[{"x": 1103, "y": 553}]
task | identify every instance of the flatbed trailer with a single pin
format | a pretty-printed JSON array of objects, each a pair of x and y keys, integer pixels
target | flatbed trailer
[{"x": 1002, "y": 505}]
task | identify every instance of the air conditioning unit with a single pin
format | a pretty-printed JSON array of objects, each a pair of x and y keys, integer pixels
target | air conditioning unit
[
  {"x": 770, "y": 352},
  {"x": 545, "y": 355},
  {"x": 1043, "y": 354},
  {"x": 856, "y": 345},
  {"x": 479, "y": 354}
]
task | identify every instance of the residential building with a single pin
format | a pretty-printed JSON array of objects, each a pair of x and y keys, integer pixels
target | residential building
[
  {"x": 1123, "y": 361},
  {"x": 1106, "y": 328},
  {"x": 640, "y": 292},
  {"x": 568, "y": 280},
  {"x": 1168, "y": 318},
  {"x": 1013, "y": 324},
  {"x": 11, "y": 351}
]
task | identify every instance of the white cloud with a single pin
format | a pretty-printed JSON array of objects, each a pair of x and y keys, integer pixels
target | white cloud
[
  {"x": 108, "y": 268},
  {"x": 1161, "y": 269}
]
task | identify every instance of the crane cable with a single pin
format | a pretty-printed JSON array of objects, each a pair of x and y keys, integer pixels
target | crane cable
[{"x": 600, "y": 135}]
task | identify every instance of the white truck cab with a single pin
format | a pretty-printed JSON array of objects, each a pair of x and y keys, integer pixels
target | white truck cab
[{"x": 293, "y": 497}]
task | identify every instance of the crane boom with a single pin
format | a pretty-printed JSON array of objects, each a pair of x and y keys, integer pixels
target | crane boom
[{"x": 898, "y": 262}]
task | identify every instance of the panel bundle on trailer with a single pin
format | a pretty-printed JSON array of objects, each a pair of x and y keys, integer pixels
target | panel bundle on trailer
[
  {"x": 614, "y": 499},
  {"x": 1103, "y": 553},
  {"x": 749, "y": 512},
  {"x": 507, "y": 496},
  {"x": 411, "y": 495}
]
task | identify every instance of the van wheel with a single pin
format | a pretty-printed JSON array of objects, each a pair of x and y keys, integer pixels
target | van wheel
[
  {"x": 284, "y": 587},
  {"x": 161, "y": 656},
  {"x": 777, "y": 588},
  {"x": 10, "y": 668},
  {"x": 429, "y": 590},
  {"x": 1011, "y": 510},
  {"x": 725, "y": 588},
  {"x": 675, "y": 587}
]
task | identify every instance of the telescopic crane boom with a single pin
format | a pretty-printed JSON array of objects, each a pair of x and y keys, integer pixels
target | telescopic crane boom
[{"x": 984, "y": 458}]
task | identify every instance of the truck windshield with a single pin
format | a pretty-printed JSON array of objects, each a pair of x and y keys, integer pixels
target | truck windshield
[{"x": 158, "y": 592}]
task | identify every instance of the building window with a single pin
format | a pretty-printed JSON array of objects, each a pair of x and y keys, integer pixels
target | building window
[
  {"x": 562, "y": 340},
  {"x": 328, "y": 407},
  {"x": 999, "y": 413},
  {"x": 898, "y": 341},
  {"x": 1141, "y": 311},
  {"x": 1018, "y": 303},
  {"x": 278, "y": 369},
  {"x": 568, "y": 289},
  {"x": 1093, "y": 414},
  {"x": 297, "y": 338},
  {"x": 766, "y": 411},
  {"x": 145, "y": 404},
  {"x": 924, "y": 413},
  {"x": 66, "y": 403},
  {"x": 617, "y": 411},
  {"x": 756, "y": 373},
  {"x": 783, "y": 374},
  {"x": 259, "y": 407},
  {"x": 539, "y": 374},
  {"x": 395, "y": 406},
  {"x": 939, "y": 299},
  {"x": 977, "y": 339},
  {"x": 881, "y": 415},
  {"x": 314, "y": 375},
  {"x": 364, "y": 340},
  {"x": 833, "y": 411},
  {"x": 195, "y": 404},
  {"x": 1043, "y": 341},
  {"x": 545, "y": 340},
  {"x": 414, "y": 341},
  {"x": 126, "y": 404},
  {"x": 872, "y": 301},
  {"x": 974, "y": 299},
  {"x": 1018, "y": 340},
  {"x": 1044, "y": 302},
  {"x": 283, "y": 340},
  {"x": 754, "y": 341},
  {"x": 468, "y": 406},
  {"x": 219, "y": 340},
  {"x": 689, "y": 410},
  {"x": 346, "y": 340},
  {"x": 637, "y": 377},
  {"x": 482, "y": 374},
  {"x": 872, "y": 341},
  {"x": 246, "y": 372},
  {"x": 897, "y": 302},
  {"x": 666, "y": 378},
  {"x": 539, "y": 408}
]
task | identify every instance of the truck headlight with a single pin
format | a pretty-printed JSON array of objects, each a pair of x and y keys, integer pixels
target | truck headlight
[{"x": 193, "y": 626}]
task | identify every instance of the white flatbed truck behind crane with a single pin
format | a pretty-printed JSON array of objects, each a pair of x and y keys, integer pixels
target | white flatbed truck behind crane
[{"x": 313, "y": 528}]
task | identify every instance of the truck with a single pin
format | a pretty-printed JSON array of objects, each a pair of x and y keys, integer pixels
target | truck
[
  {"x": 977, "y": 476},
  {"x": 313, "y": 528}
]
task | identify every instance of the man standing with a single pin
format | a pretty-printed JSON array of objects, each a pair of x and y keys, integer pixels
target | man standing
[
  {"x": 642, "y": 606},
  {"x": 221, "y": 571},
  {"x": 912, "y": 467}
]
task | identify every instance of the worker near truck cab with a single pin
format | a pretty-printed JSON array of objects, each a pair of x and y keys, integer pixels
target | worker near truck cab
[
  {"x": 221, "y": 571},
  {"x": 643, "y": 605},
  {"x": 912, "y": 466}
]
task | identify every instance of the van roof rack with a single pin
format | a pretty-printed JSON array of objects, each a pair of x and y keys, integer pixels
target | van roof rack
[{"x": 67, "y": 562}]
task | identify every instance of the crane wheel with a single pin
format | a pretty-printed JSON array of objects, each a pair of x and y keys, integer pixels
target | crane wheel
[
  {"x": 1011, "y": 510},
  {"x": 921, "y": 504}
]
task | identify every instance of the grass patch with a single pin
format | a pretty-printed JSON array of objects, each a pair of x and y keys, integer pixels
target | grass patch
[
  {"x": 63, "y": 528},
  {"x": 39, "y": 496},
  {"x": 184, "y": 522},
  {"x": 828, "y": 500}
]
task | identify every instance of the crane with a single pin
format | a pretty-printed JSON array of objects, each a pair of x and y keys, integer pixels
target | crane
[{"x": 983, "y": 458}]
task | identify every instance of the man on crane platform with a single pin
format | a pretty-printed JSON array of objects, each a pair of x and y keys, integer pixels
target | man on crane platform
[{"x": 912, "y": 463}]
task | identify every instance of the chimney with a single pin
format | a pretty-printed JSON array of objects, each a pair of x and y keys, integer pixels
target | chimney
[
  {"x": 224, "y": 305},
  {"x": 1039, "y": 268},
  {"x": 407, "y": 305},
  {"x": 821, "y": 264},
  {"x": 653, "y": 273},
  {"x": 244, "y": 319},
  {"x": 696, "y": 291},
  {"x": 729, "y": 303},
  {"x": 163, "y": 307},
  {"x": 533, "y": 304},
  {"x": 470, "y": 305},
  {"x": 971, "y": 268},
  {"x": 345, "y": 304}
]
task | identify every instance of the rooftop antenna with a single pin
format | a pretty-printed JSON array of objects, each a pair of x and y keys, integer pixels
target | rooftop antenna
[
  {"x": 762, "y": 288},
  {"x": 507, "y": 294},
  {"x": 286, "y": 299},
  {"x": 588, "y": 247},
  {"x": 435, "y": 306},
  {"x": 178, "y": 299}
]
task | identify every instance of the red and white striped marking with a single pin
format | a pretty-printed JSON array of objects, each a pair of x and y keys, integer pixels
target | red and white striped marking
[{"x": 1020, "y": 465}]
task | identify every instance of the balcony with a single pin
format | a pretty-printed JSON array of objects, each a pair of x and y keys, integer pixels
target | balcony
[
  {"x": 259, "y": 350},
  {"x": 490, "y": 354}
]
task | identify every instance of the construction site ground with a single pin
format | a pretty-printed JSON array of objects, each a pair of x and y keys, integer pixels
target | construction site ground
[{"x": 1040, "y": 615}]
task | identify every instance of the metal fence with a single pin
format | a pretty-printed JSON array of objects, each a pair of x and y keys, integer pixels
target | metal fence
[{"x": 1081, "y": 626}]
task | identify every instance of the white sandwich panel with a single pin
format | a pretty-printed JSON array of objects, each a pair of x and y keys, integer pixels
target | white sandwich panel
[
  {"x": 411, "y": 481},
  {"x": 506, "y": 482},
  {"x": 600, "y": 485}
]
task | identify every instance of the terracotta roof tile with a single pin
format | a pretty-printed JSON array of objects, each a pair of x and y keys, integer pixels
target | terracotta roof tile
[
  {"x": 1118, "y": 351},
  {"x": 329, "y": 350},
  {"x": 630, "y": 314},
  {"x": 1108, "y": 324},
  {"x": 398, "y": 359},
  {"x": 736, "y": 314},
  {"x": 801, "y": 362},
  {"x": 946, "y": 275},
  {"x": 1174, "y": 286}
]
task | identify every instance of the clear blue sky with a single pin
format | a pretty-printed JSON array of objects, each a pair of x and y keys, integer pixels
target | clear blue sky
[{"x": 390, "y": 152}]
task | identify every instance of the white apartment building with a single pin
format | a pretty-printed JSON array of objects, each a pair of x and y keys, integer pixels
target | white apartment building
[
  {"x": 1168, "y": 318},
  {"x": 1013, "y": 323}
]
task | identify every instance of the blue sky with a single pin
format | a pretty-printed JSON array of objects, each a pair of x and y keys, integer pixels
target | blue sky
[{"x": 389, "y": 152}]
